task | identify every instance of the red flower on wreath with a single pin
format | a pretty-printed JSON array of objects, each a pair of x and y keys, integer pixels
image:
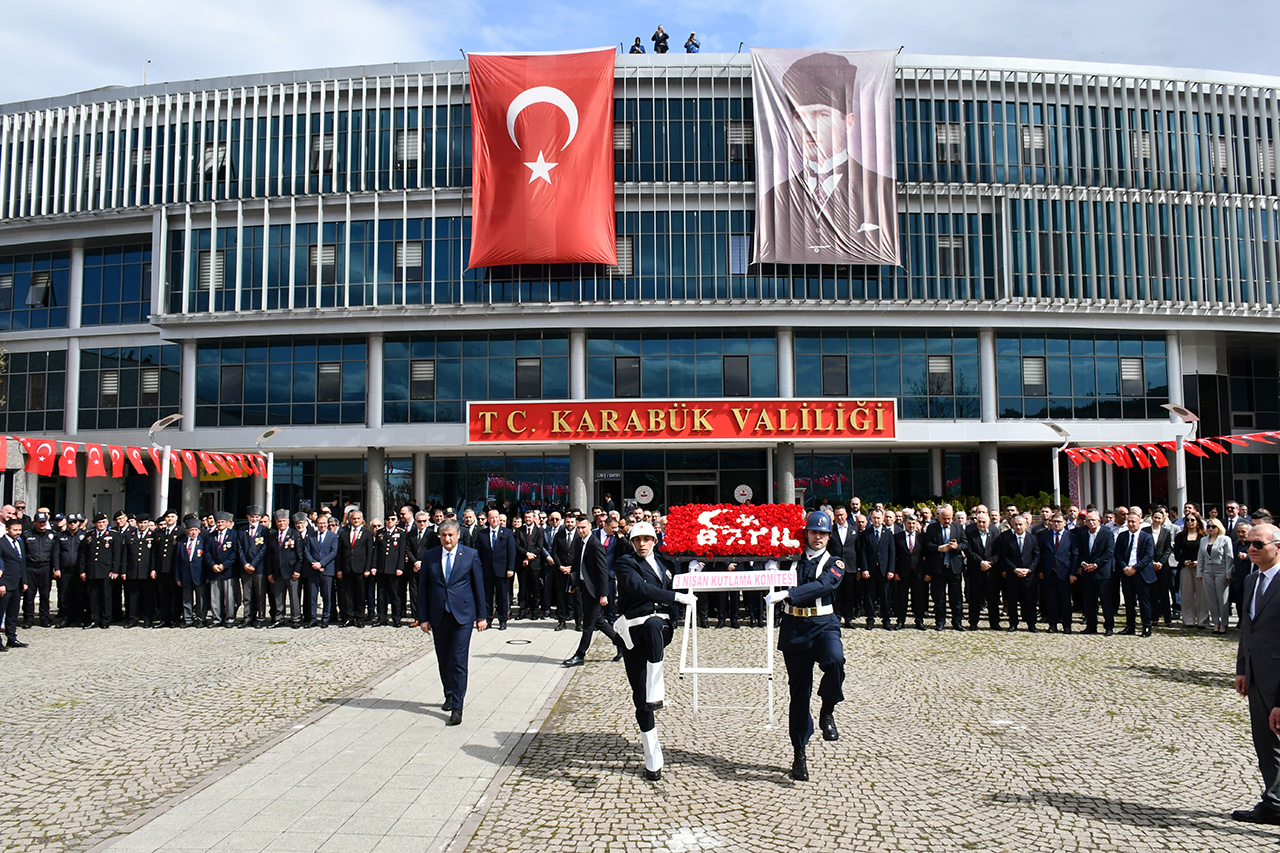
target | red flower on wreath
[{"x": 713, "y": 531}]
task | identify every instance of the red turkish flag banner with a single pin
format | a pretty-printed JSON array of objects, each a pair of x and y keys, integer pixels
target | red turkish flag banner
[
  {"x": 1156, "y": 455},
  {"x": 189, "y": 457},
  {"x": 1212, "y": 445},
  {"x": 1143, "y": 461},
  {"x": 67, "y": 460},
  {"x": 117, "y": 460},
  {"x": 95, "y": 468},
  {"x": 157, "y": 456},
  {"x": 4, "y": 452},
  {"x": 542, "y": 155},
  {"x": 1075, "y": 456},
  {"x": 43, "y": 455},
  {"x": 134, "y": 455},
  {"x": 223, "y": 466},
  {"x": 235, "y": 460},
  {"x": 207, "y": 461}
]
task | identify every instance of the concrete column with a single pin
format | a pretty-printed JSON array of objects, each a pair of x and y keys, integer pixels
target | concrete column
[
  {"x": 258, "y": 492},
  {"x": 187, "y": 405},
  {"x": 73, "y": 500},
  {"x": 580, "y": 476},
  {"x": 987, "y": 374},
  {"x": 785, "y": 473},
  {"x": 935, "y": 471},
  {"x": 1178, "y": 463},
  {"x": 373, "y": 388},
  {"x": 578, "y": 364},
  {"x": 420, "y": 479},
  {"x": 1110, "y": 501},
  {"x": 786, "y": 368},
  {"x": 376, "y": 476},
  {"x": 71, "y": 418},
  {"x": 989, "y": 475},
  {"x": 75, "y": 295},
  {"x": 191, "y": 496},
  {"x": 1086, "y": 483}
]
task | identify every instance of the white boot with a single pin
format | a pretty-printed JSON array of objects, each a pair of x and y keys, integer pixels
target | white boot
[
  {"x": 655, "y": 688},
  {"x": 652, "y": 754}
]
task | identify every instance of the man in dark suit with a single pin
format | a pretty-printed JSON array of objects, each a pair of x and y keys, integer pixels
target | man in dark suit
[
  {"x": 13, "y": 579},
  {"x": 224, "y": 550},
  {"x": 1096, "y": 546},
  {"x": 422, "y": 538},
  {"x": 319, "y": 568},
  {"x": 910, "y": 584},
  {"x": 1059, "y": 568},
  {"x": 843, "y": 544},
  {"x": 591, "y": 577},
  {"x": 1258, "y": 667},
  {"x": 876, "y": 553},
  {"x": 944, "y": 550},
  {"x": 451, "y": 598},
  {"x": 497, "y": 549},
  {"x": 164, "y": 544},
  {"x": 1162, "y": 562},
  {"x": 1020, "y": 558},
  {"x": 1135, "y": 551},
  {"x": 191, "y": 563},
  {"x": 558, "y": 568},
  {"x": 286, "y": 547},
  {"x": 355, "y": 564},
  {"x": 984, "y": 578},
  {"x": 531, "y": 553}
]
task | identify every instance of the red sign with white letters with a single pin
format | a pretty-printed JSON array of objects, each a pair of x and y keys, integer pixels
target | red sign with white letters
[{"x": 595, "y": 421}]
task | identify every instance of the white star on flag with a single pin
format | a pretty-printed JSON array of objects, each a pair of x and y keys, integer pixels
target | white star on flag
[{"x": 540, "y": 169}]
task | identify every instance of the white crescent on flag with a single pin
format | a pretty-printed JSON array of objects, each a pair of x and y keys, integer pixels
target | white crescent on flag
[
  {"x": 542, "y": 95},
  {"x": 44, "y": 450}
]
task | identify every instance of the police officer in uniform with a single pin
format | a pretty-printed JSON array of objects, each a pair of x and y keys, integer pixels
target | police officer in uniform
[
  {"x": 648, "y": 615},
  {"x": 101, "y": 555},
  {"x": 43, "y": 552},
  {"x": 71, "y": 595},
  {"x": 811, "y": 634}
]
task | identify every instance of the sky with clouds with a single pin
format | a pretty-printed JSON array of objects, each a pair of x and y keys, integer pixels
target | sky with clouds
[{"x": 60, "y": 46}]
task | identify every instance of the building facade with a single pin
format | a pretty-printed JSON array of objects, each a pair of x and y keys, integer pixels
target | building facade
[{"x": 1081, "y": 244}]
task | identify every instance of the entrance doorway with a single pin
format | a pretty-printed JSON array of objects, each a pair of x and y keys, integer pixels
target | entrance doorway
[{"x": 693, "y": 487}]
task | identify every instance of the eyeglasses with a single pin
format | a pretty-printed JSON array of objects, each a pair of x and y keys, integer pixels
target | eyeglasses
[{"x": 1258, "y": 543}]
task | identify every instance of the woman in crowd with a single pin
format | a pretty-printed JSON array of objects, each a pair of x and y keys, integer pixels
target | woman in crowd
[
  {"x": 1213, "y": 566},
  {"x": 1186, "y": 547}
]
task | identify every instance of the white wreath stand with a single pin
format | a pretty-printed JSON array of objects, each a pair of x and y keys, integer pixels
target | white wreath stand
[{"x": 708, "y": 582}]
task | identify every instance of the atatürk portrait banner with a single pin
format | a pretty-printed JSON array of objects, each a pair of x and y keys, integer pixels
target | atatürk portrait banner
[{"x": 825, "y": 189}]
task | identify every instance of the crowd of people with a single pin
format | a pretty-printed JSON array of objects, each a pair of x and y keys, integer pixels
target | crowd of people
[
  {"x": 662, "y": 42},
  {"x": 1056, "y": 568}
]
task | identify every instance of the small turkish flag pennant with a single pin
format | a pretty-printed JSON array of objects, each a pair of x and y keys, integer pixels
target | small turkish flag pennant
[
  {"x": 117, "y": 460},
  {"x": 67, "y": 460},
  {"x": 95, "y": 468},
  {"x": 135, "y": 457},
  {"x": 189, "y": 457}
]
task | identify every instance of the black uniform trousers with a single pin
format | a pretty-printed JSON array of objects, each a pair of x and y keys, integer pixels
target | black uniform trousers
[
  {"x": 72, "y": 598},
  {"x": 39, "y": 580},
  {"x": 139, "y": 598},
  {"x": 389, "y": 597},
  {"x": 811, "y": 640},
  {"x": 100, "y": 598},
  {"x": 1137, "y": 598},
  {"x": 983, "y": 588},
  {"x": 649, "y": 642}
]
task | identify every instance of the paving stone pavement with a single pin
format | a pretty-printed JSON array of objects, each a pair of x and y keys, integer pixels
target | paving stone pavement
[
  {"x": 100, "y": 726},
  {"x": 948, "y": 741}
]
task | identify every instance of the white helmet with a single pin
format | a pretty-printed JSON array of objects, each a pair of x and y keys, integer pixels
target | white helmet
[{"x": 642, "y": 528}]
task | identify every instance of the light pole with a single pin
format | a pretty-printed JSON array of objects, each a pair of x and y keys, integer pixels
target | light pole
[
  {"x": 1057, "y": 477},
  {"x": 1180, "y": 458},
  {"x": 162, "y": 504},
  {"x": 268, "y": 434}
]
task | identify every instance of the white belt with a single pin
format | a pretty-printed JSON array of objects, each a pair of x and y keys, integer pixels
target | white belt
[
  {"x": 623, "y": 626},
  {"x": 804, "y": 612}
]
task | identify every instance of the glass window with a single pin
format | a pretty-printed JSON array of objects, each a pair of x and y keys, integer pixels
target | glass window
[
  {"x": 626, "y": 376},
  {"x": 528, "y": 378},
  {"x": 737, "y": 375},
  {"x": 835, "y": 375}
]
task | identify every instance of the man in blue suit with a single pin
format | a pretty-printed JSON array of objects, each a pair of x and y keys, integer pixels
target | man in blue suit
[
  {"x": 1097, "y": 554},
  {"x": 1134, "y": 555},
  {"x": 451, "y": 597},
  {"x": 320, "y": 567},
  {"x": 497, "y": 549},
  {"x": 13, "y": 579},
  {"x": 1059, "y": 564}
]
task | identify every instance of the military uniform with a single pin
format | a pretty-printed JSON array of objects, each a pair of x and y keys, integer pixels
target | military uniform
[
  {"x": 139, "y": 584},
  {"x": 101, "y": 555},
  {"x": 810, "y": 634},
  {"x": 390, "y": 562},
  {"x": 167, "y": 602}
]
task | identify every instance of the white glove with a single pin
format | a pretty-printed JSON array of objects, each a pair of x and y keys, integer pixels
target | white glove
[
  {"x": 695, "y": 565},
  {"x": 688, "y": 599},
  {"x": 777, "y": 595},
  {"x": 771, "y": 566}
]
